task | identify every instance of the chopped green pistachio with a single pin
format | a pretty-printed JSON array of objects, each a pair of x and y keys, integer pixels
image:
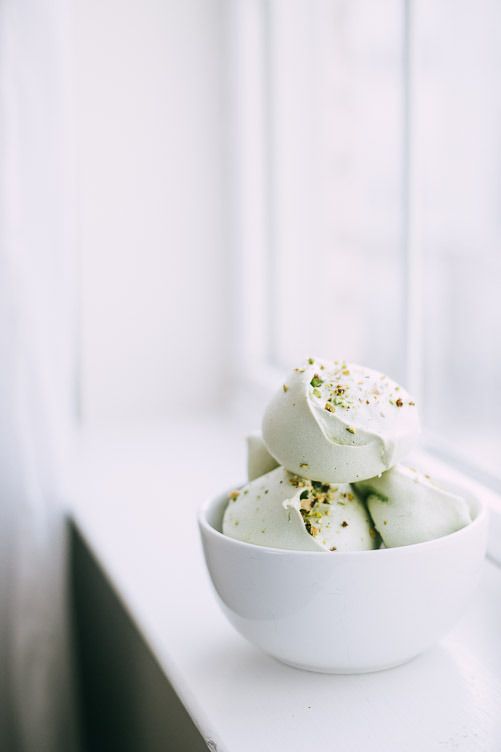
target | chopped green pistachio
[
  {"x": 329, "y": 407},
  {"x": 233, "y": 495},
  {"x": 340, "y": 402},
  {"x": 317, "y": 393},
  {"x": 351, "y": 429},
  {"x": 304, "y": 494},
  {"x": 311, "y": 361},
  {"x": 315, "y": 515},
  {"x": 304, "y": 464},
  {"x": 285, "y": 387},
  {"x": 316, "y": 381}
]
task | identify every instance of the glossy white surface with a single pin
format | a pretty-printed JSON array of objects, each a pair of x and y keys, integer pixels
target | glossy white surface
[
  {"x": 343, "y": 612},
  {"x": 124, "y": 499}
]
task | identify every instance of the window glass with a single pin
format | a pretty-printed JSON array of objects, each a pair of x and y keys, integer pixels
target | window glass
[
  {"x": 336, "y": 164},
  {"x": 365, "y": 131},
  {"x": 458, "y": 103}
]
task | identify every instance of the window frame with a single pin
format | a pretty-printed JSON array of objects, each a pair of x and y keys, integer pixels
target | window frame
[{"x": 253, "y": 231}]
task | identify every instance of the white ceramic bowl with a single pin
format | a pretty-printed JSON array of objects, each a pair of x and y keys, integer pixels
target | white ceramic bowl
[{"x": 344, "y": 613}]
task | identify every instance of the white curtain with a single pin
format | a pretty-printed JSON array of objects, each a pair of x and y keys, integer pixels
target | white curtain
[{"x": 37, "y": 346}]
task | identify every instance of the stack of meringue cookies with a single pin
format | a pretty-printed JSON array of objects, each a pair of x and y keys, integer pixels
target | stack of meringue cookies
[{"x": 327, "y": 472}]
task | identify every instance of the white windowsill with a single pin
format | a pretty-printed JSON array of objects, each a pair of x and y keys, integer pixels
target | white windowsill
[{"x": 126, "y": 498}]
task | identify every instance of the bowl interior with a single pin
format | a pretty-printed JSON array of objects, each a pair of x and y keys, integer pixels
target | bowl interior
[{"x": 214, "y": 512}]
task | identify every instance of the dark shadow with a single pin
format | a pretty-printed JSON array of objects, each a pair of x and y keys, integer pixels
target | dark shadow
[{"x": 127, "y": 703}]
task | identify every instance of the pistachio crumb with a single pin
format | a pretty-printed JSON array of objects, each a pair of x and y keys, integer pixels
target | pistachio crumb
[
  {"x": 233, "y": 495},
  {"x": 351, "y": 429},
  {"x": 285, "y": 387},
  {"x": 316, "y": 381},
  {"x": 330, "y": 408},
  {"x": 304, "y": 464}
]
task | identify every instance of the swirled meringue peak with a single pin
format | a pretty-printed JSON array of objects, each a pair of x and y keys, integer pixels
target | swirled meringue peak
[
  {"x": 259, "y": 460},
  {"x": 409, "y": 506},
  {"x": 283, "y": 510},
  {"x": 339, "y": 422}
]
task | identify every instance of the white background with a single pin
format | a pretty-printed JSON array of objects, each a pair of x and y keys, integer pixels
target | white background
[
  {"x": 152, "y": 129},
  {"x": 261, "y": 181}
]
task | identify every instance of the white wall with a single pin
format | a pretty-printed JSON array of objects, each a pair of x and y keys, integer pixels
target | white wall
[{"x": 151, "y": 120}]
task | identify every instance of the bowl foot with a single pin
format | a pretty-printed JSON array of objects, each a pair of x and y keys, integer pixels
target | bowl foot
[{"x": 343, "y": 671}]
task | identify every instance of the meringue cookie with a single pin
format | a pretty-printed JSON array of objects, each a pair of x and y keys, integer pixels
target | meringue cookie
[
  {"x": 339, "y": 422},
  {"x": 259, "y": 460},
  {"x": 282, "y": 510},
  {"x": 410, "y": 507}
]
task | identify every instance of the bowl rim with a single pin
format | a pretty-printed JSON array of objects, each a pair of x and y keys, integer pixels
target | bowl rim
[{"x": 205, "y": 526}]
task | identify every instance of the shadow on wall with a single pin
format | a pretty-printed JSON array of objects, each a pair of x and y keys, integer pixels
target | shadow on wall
[{"x": 127, "y": 703}]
